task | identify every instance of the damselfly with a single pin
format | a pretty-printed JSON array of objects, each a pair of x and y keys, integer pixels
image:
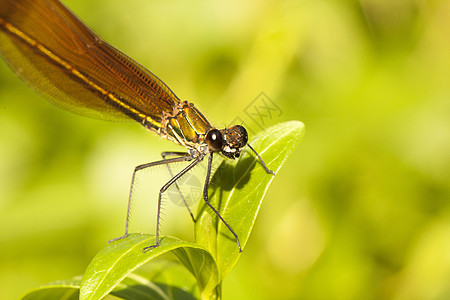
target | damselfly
[{"x": 61, "y": 58}]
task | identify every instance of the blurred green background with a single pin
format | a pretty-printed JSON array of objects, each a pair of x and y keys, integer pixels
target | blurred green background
[{"x": 360, "y": 211}]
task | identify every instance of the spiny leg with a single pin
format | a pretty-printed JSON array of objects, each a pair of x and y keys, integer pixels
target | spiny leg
[
  {"x": 164, "y": 155},
  {"x": 133, "y": 178},
  {"x": 163, "y": 189},
  {"x": 205, "y": 198},
  {"x": 261, "y": 160}
]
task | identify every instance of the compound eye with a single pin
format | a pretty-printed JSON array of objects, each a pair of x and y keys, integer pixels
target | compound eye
[{"x": 214, "y": 140}]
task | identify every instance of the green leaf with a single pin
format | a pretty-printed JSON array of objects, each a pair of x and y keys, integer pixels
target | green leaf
[
  {"x": 62, "y": 289},
  {"x": 161, "y": 279},
  {"x": 116, "y": 261},
  {"x": 237, "y": 191}
]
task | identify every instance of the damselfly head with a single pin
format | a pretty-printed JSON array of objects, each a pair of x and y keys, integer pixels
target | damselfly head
[{"x": 234, "y": 138}]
